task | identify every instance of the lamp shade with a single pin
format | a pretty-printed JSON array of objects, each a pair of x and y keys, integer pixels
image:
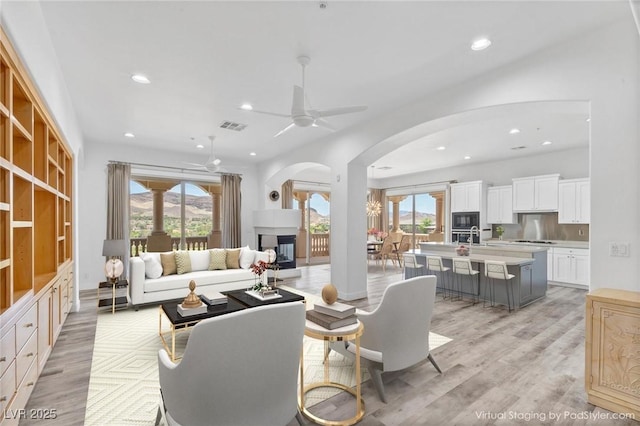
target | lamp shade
[
  {"x": 269, "y": 241},
  {"x": 112, "y": 248}
]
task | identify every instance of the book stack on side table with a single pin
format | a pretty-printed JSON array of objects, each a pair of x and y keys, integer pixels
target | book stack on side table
[{"x": 332, "y": 316}]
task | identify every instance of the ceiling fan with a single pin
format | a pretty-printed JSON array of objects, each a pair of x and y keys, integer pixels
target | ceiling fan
[
  {"x": 212, "y": 165},
  {"x": 302, "y": 116}
]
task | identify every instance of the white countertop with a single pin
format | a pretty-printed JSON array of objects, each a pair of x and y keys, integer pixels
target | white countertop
[
  {"x": 477, "y": 257},
  {"x": 556, "y": 243}
]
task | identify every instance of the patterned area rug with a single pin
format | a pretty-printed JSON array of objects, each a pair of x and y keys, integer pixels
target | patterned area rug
[{"x": 124, "y": 388}]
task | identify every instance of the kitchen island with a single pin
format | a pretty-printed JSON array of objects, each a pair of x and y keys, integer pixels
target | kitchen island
[{"x": 527, "y": 263}]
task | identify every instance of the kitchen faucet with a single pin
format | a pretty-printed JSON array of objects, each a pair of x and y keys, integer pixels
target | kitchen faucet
[{"x": 476, "y": 230}]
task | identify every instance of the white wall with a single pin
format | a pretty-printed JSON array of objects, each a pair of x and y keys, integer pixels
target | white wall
[
  {"x": 571, "y": 163},
  {"x": 92, "y": 192}
]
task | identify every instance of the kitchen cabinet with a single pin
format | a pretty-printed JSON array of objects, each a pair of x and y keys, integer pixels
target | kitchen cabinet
[
  {"x": 612, "y": 318},
  {"x": 500, "y": 205},
  {"x": 571, "y": 266},
  {"x": 468, "y": 196},
  {"x": 535, "y": 194},
  {"x": 550, "y": 264},
  {"x": 573, "y": 201}
]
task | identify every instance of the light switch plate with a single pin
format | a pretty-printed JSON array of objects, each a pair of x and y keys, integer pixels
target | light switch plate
[{"x": 619, "y": 249}]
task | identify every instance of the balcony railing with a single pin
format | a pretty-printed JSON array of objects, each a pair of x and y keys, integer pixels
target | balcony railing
[
  {"x": 139, "y": 245},
  {"x": 320, "y": 245}
]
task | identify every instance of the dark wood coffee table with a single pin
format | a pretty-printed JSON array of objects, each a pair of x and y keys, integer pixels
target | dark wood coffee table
[
  {"x": 251, "y": 302},
  {"x": 179, "y": 323}
]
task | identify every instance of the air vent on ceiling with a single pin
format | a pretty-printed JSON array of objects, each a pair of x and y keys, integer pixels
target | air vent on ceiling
[
  {"x": 230, "y": 125},
  {"x": 384, "y": 168},
  {"x": 517, "y": 148}
]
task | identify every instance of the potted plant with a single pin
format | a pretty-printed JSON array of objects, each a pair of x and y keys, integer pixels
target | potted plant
[{"x": 499, "y": 231}]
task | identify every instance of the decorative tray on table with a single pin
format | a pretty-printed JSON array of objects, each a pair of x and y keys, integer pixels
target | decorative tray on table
[{"x": 264, "y": 294}]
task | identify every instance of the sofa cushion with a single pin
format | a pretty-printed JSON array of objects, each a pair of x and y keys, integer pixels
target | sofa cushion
[
  {"x": 183, "y": 262},
  {"x": 218, "y": 259},
  {"x": 233, "y": 258},
  {"x": 168, "y": 261},
  {"x": 261, "y": 255},
  {"x": 202, "y": 278},
  {"x": 246, "y": 257},
  {"x": 199, "y": 260},
  {"x": 152, "y": 265}
]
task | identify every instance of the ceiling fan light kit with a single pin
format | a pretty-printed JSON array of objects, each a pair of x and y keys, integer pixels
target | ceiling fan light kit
[{"x": 302, "y": 116}]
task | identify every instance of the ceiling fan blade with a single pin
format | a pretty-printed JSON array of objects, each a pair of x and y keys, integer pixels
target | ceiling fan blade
[
  {"x": 297, "y": 106},
  {"x": 339, "y": 111},
  {"x": 284, "y": 130},
  {"x": 319, "y": 122},
  {"x": 270, "y": 113}
]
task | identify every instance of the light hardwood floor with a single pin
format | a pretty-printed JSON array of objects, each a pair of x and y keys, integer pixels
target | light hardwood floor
[{"x": 524, "y": 366}]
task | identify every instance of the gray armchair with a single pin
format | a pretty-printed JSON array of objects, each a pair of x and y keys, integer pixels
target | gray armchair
[
  {"x": 396, "y": 333},
  {"x": 237, "y": 369}
]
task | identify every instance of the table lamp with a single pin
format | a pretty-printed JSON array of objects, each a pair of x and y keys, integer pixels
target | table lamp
[{"x": 114, "y": 267}]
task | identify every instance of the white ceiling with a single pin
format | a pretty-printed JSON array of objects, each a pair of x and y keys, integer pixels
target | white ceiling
[{"x": 205, "y": 59}]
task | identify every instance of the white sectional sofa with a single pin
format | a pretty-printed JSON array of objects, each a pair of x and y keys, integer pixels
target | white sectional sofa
[{"x": 146, "y": 286}]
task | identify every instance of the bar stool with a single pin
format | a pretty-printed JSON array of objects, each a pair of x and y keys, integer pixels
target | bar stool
[
  {"x": 497, "y": 270},
  {"x": 461, "y": 268},
  {"x": 435, "y": 265},
  {"x": 411, "y": 267}
]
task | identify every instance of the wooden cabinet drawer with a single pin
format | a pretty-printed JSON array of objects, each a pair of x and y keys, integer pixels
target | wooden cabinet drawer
[
  {"x": 26, "y": 326},
  {"x": 7, "y": 349},
  {"x": 7, "y": 386},
  {"x": 26, "y": 387},
  {"x": 25, "y": 357}
]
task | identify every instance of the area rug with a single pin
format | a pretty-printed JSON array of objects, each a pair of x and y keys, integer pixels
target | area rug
[{"x": 124, "y": 388}]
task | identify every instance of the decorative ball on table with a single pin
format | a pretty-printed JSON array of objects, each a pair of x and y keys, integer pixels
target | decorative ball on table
[
  {"x": 192, "y": 300},
  {"x": 329, "y": 294}
]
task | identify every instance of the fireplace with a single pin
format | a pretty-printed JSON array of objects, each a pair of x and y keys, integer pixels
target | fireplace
[{"x": 285, "y": 249}]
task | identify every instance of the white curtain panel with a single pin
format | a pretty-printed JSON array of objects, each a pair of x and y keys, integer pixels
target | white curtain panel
[{"x": 287, "y": 195}]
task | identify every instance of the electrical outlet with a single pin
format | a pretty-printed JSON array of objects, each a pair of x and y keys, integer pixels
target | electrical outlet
[{"x": 619, "y": 249}]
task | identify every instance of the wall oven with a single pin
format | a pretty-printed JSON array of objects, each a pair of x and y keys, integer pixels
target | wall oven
[{"x": 461, "y": 224}]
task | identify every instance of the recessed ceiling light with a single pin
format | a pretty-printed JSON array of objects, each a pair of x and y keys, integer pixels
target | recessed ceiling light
[
  {"x": 547, "y": 143},
  {"x": 480, "y": 44},
  {"x": 514, "y": 131},
  {"x": 588, "y": 119},
  {"x": 246, "y": 107},
  {"x": 200, "y": 146},
  {"x": 467, "y": 157},
  {"x": 129, "y": 135},
  {"x": 253, "y": 154},
  {"x": 139, "y": 78},
  {"x": 441, "y": 148}
]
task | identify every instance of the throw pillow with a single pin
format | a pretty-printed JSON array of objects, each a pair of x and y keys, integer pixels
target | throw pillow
[
  {"x": 260, "y": 255},
  {"x": 152, "y": 265},
  {"x": 247, "y": 257},
  {"x": 233, "y": 258},
  {"x": 168, "y": 261},
  {"x": 199, "y": 260},
  {"x": 183, "y": 262},
  {"x": 218, "y": 259}
]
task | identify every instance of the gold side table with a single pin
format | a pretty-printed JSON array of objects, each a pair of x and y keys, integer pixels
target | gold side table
[{"x": 350, "y": 332}]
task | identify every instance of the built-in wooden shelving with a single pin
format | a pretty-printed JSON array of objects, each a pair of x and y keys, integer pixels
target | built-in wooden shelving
[{"x": 36, "y": 214}]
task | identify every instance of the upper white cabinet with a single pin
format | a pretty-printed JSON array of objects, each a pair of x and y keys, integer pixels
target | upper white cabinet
[
  {"x": 573, "y": 201},
  {"x": 467, "y": 196},
  {"x": 537, "y": 193},
  {"x": 500, "y": 205}
]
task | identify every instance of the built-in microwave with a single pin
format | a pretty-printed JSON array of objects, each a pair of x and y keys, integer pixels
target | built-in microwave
[{"x": 465, "y": 220}]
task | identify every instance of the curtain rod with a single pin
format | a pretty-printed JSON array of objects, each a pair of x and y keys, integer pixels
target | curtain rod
[
  {"x": 182, "y": 169},
  {"x": 312, "y": 183}
]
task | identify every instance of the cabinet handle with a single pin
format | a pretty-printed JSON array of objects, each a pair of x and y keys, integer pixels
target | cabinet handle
[
  {"x": 30, "y": 384},
  {"x": 3, "y": 359},
  {"x": 30, "y": 354},
  {"x": 54, "y": 289},
  {"x": 3, "y": 399},
  {"x": 29, "y": 324}
]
